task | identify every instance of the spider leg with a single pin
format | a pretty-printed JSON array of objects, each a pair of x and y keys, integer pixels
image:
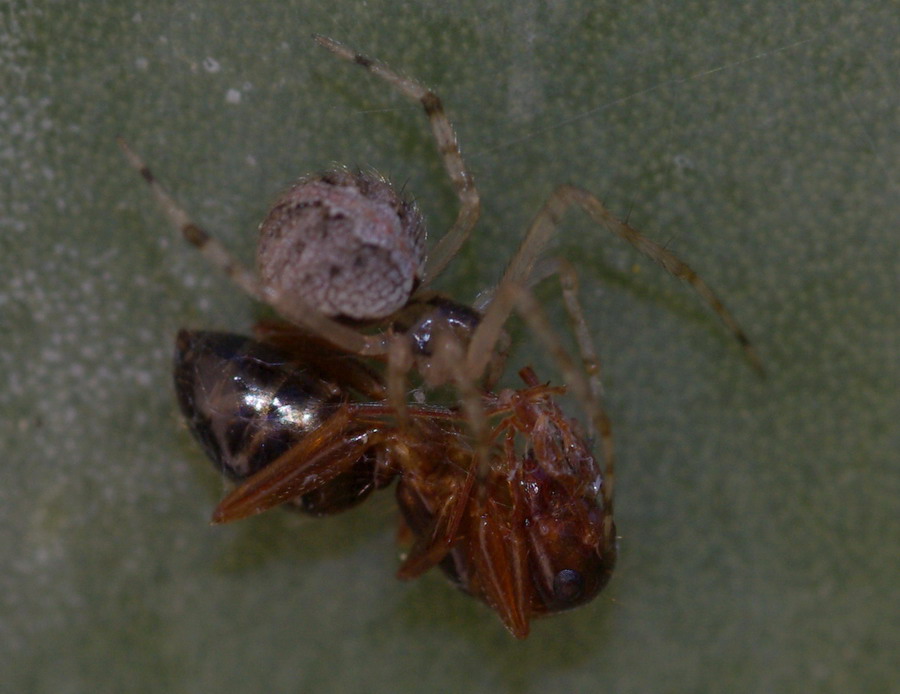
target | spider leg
[
  {"x": 583, "y": 382},
  {"x": 208, "y": 246},
  {"x": 399, "y": 364},
  {"x": 568, "y": 280},
  {"x": 545, "y": 226},
  {"x": 449, "y": 354},
  {"x": 433, "y": 544},
  {"x": 502, "y": 533},
  {"x": 445, "y": 138},
  {"x": 215, "y": 252}
]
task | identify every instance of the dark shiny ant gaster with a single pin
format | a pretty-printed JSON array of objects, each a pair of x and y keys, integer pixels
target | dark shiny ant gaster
[{"x": 248, "y": 403}]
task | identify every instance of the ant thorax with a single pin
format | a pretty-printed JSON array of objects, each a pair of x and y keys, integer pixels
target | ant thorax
[{"x": 343, "y": 242}]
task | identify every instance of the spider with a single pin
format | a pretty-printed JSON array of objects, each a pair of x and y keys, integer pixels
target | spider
[
  {"x": 341, "y": 252},
  {"x": 341, "y": 258}
]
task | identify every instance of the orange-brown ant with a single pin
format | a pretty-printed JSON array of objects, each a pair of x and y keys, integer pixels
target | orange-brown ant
[{"x": 301, "y": 424}]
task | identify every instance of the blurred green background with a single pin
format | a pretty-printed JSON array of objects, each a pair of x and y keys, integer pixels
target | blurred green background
[{"x": 759, "y": 519}]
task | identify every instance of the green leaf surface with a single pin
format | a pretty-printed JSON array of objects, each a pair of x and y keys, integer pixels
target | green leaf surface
[{"x": 759, "y": 522}]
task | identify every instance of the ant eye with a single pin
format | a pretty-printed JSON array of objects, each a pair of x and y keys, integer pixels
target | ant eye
[{"x": 568, "y": 586}]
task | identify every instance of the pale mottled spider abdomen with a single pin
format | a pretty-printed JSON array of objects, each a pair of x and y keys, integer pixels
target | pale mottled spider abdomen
[{"x": 344, "y": 242}]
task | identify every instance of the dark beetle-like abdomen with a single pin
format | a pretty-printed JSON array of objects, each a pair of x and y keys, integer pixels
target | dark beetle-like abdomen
[{"x": 248, "y": 402}]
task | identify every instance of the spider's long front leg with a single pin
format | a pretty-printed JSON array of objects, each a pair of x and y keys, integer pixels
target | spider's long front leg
[
  {"x": 545, "y": 227},
  {"x": 294, "y": 310},
  {"x": 209, "y": 247},
  {"x": 445, "y": 138}
]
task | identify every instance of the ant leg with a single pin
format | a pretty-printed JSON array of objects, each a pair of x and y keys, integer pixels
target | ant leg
[
  {"x": 545, "y": 226},
  {"x": 491, "y": 540},
  {"x": 448, "y": 148},
  {"x": 593, "y": 389},
  {"x": 432, "y": 545},
  {"x": 497, "y": 363},
  {"x": 339, "y": 335},
  {"x": 314, "y": 461}
]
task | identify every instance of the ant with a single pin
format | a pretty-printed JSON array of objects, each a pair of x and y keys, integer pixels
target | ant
[
  {"x": 501, "y": 490},
  {"x": 532, "y": 534}
]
